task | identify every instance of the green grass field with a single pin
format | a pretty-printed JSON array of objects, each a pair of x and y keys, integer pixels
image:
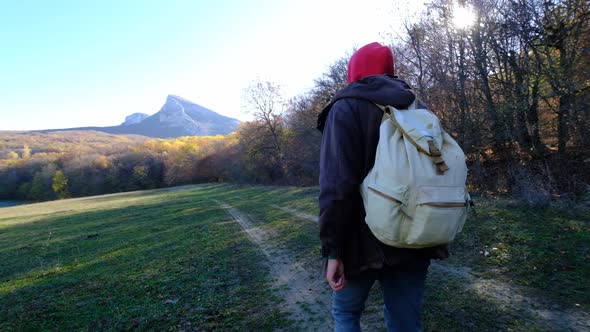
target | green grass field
[{"x": 174, "y": 259}]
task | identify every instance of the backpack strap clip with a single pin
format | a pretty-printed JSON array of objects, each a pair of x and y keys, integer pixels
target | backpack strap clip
[{"x": 436, "y": 155}]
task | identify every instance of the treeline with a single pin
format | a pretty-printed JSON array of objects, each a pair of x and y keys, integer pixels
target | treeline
[
  {"x": 94, "y": 169},
  {"x": 513, "y": 88}
]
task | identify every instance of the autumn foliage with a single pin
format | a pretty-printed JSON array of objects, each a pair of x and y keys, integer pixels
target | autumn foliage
[{"x": 513, "y": 89}]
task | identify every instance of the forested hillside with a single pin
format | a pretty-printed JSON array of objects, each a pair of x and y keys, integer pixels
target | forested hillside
[{"x": 513, "y": 88}]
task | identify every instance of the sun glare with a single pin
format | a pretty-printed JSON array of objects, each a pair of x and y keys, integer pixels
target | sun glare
[{"x": 463, "y": 16}]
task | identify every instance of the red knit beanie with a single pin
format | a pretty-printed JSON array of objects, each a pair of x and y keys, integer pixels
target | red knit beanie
[{"x": 371, "y": 59}]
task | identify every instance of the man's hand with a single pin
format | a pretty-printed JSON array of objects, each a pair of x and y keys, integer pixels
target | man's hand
[{"x": 335, "y": 274}]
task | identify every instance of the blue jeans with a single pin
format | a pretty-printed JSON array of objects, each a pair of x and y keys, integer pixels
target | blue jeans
[{"x": 403, "y": 294}]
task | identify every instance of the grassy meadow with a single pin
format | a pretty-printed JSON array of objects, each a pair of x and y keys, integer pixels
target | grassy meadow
[{"x": 175, "y": 259}]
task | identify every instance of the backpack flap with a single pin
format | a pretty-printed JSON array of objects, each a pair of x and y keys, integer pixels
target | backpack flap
[
  {"x": 421, "y": 128},
  {"x": 419, "y": 125}
]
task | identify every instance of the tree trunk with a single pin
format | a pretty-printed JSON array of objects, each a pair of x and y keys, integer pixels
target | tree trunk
[
  {"x": 521, "y": 101},
  {"x": 499, "y": 137},
  {"x": 463, "y": 102},
  {"x": 563, "y": 123},
  {"x": 533, "y": 119}
]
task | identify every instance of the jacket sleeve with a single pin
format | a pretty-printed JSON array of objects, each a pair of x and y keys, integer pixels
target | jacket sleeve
[{"x": 341, "y": 168}]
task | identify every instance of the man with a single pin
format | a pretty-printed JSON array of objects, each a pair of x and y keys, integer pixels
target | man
[{"x": 355, "y": 258}]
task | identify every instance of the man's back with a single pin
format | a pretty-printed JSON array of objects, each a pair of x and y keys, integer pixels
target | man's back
[
  {"x": 354, "y": 257},
  {"x": 350, "y": 135}
]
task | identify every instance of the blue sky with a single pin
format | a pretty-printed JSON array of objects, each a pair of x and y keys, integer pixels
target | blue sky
[{"x": 91, "y": 63}]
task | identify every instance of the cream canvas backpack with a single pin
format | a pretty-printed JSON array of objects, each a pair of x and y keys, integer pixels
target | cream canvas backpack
[{"x": 415, "y": 195}]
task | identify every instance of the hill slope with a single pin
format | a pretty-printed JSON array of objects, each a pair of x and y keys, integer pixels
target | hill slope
[{"x": 83, "y": 141}]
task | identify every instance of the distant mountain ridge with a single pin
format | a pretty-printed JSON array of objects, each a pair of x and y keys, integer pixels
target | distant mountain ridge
[
  {"x": 134, "y": 119},
  {"x": 177, "y": 117}
]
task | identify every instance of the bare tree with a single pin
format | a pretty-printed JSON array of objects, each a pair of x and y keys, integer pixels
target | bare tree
[
  {"x": 565, "y": 27},
  {"x": 267, "y": 104}
]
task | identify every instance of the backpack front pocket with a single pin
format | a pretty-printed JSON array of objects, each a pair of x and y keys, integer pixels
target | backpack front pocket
[
  {"x": 384, "y": 214},
  {"x": 440, "y": 215}
]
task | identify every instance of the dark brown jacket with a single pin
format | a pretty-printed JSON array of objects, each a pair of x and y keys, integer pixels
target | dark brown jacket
[{"x": 350, "y": 126}]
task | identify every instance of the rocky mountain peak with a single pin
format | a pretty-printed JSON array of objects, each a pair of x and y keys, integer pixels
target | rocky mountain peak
[
  {"x": 134, "y": 119},
  {"x": 173, "y": 114},
  {"x": 177, "y": 117}
]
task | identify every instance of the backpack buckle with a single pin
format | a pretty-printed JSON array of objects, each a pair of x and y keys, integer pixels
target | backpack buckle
[{"x": 436, "y": 155}]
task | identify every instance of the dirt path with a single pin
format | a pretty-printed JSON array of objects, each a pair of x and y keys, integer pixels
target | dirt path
[
  {"x": 542, "y": 310},
  {"x": 301, "y": 291},
  {"x": 370, "y": 321},
  {"x": 545, "y": 313},
  {"x": 298, "y": 214}
]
